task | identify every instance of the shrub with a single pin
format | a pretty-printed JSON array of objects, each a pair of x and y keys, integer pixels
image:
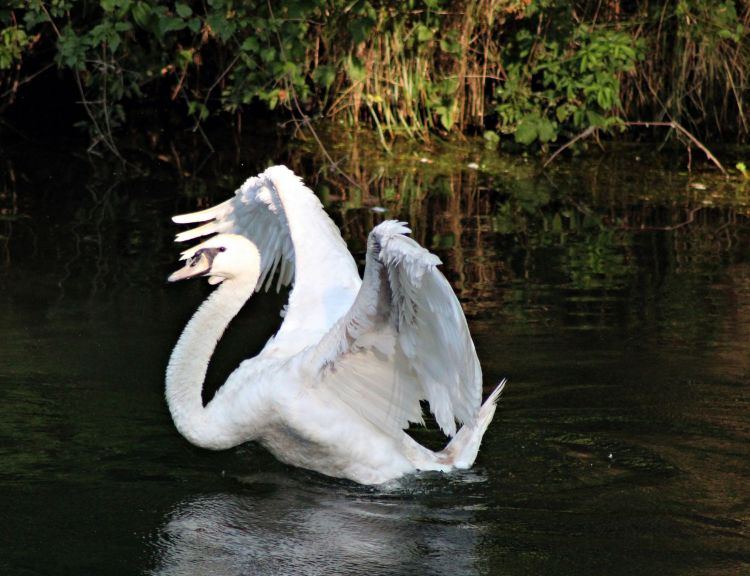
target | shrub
[{"x": 536, "y": 69}]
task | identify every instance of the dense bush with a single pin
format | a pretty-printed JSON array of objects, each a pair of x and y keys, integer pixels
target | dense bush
[{"x": 536, "y": 69}]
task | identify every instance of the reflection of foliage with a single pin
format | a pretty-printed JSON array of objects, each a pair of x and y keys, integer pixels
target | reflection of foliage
[
  {"x": 598, "y": 261},
  {"x": 580, "y": 242},
  {"x": 503, "y": 233}
]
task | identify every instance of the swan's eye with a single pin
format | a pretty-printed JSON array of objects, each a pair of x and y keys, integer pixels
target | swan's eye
[{"x": 222, "y": 249}]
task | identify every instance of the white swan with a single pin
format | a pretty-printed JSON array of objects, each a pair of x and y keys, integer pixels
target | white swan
[{"x": 343, "y": 377}]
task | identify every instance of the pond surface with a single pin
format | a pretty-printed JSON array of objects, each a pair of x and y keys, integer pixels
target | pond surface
[{"x": 614, "y": 294}]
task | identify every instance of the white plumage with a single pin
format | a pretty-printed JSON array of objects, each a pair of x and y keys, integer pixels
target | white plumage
[{"x": 343, "y": 377}]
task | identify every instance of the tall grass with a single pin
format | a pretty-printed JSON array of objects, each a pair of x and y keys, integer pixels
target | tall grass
[
  {"x": 422, "y": 71},
  {"x": 697, "y": 66}
]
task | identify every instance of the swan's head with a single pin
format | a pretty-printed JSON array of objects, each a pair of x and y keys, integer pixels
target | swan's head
[{"x": 221, "y": 257}]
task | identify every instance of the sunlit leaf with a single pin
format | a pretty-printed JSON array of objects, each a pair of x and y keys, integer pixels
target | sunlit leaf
[
  {"x": 183, "y": 10},
  {"x": 324, "y": 75},
  {"x": 527, "y": 131}
]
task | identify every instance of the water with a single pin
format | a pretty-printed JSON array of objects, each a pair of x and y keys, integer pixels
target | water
[{"x": 614, "y": 294}]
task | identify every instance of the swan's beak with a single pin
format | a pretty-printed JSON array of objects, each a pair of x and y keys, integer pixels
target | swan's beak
[{"x": 199, "y": 264}]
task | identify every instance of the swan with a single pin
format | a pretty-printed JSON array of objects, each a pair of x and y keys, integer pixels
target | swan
[{"x": 335, "y": 388}]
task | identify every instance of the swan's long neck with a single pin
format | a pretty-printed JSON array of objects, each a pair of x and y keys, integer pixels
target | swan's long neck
[{"x": 188, "y": 364}]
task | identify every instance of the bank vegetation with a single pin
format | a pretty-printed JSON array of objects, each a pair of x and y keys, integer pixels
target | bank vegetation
[{"x": 529, "y": 73}]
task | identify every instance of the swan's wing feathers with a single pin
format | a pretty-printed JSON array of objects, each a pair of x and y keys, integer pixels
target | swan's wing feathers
[
  {"x": 432, "y": 330},
  {"x": 255, "y": 212},
  {"x": 405, "y": 339},
  {"x": 297, "y": 239}
]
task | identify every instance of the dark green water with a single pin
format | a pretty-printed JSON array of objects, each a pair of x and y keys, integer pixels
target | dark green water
[{"x": 614, "y": 295}]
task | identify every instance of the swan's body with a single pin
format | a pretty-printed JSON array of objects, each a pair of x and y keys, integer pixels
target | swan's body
[{"x": 343, "y": 377}]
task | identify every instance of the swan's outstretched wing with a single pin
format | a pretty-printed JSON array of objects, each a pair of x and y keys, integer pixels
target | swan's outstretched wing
[
  {"x": 295, "y": 237},
  {"x": 405, "y": 339}
]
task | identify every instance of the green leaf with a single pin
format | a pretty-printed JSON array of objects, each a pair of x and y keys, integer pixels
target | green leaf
[
  {"x": 183, "y": 10},
  {"x": 595, "y": 119},
  {"x": 142, "y": 14},
  {"x": 491, "y": 139},
  {"x": 424, "y": 34},
  {"x": 184, "y": 58},
  {"x": 562, "y": 112},
  {"x": 557, "y": 225},
  {"x": 547, "y": 130},
  {"x": 100, "y": 33},
  {"x": 222, "y": 27},
  {"x": 355, "y": 69},
  {"x": 361, "y": 29},
  {"x": 364, "y": 8},
  {"x": 450, "y": 45},
  {"x": 13, "y": 41},
  {"x": 527, "y": 130},
  {"x": 111, "y": 6},
  {"x": 446, "y": 116},
  {"x": 291, "y": 69},
  {"x": 71, "y": 49},
  {"x": 194, "y": 24},
  {"x": 198, "y": 109},
  {"x": 251, "y": 45},
  {"x": 268, "y": 54},
  {"x": 324, "y": 75},
  {"x": 169, "y": 24}
]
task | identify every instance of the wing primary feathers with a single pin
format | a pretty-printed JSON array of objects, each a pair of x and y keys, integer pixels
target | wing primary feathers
[
  {"x": 406, "y": 317},
  {"x": 299, "y": 244},
  {"x": 203, "y": 215}
]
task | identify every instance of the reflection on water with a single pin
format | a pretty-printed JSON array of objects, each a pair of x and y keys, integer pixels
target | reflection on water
[
  {"x": 614, "y": 293},
  {"x": 284, "y": 527}
]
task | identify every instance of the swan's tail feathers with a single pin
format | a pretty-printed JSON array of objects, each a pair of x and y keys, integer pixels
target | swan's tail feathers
[{"x": 463, "y": 448}]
